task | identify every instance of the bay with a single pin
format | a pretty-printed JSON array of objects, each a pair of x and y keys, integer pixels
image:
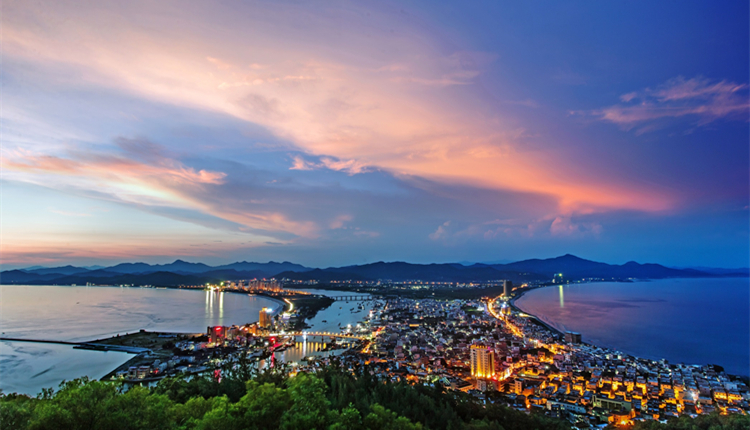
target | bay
[
  {"x": 66, "y": 313},
  {"x": 692, "y": 321}
]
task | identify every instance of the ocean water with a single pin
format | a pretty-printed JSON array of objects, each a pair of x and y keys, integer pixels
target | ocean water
[
  {"x": 692, "y": 321},
  {"x": 27, "y": 367},
  {"x": 87, "y": 313}
]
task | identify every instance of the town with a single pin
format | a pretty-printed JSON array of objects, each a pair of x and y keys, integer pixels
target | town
[{"x": 485, "y": 347}]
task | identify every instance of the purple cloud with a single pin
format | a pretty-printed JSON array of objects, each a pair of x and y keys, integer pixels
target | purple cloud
[{"x": 698, "y": 97}]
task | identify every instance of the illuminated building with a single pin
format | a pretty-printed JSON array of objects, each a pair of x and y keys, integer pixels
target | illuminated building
[
  {"x": 265, "y": 318},
  {"x": 616, "y": 404},
  {"x": 252, "y": 329},
  {"x": 263, "y": 285},
  {"x": 507, "y": 287},
  {"x": 217, "y": 333},
  {"x": 482, "y": 362}
]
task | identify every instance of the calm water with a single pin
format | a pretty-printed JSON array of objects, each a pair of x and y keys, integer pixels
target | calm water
[
  {"x": 27, "y": 367},
  {"x": 339, "y": 312},
  {"x": 88, "y": 313},
  {"x": 327, "y": 320},
  {"x": 693, "y": 321}
]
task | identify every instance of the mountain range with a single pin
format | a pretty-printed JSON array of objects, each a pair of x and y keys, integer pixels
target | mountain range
[{"x": 185, "y": 273}]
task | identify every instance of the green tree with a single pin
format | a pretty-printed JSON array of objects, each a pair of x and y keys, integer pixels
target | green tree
[
  {"x": 15, "y": 411},
  {"x": 310, "y": 406}
]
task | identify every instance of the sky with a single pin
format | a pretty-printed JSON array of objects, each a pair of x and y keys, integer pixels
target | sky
[{"x": 336, "y": 133}]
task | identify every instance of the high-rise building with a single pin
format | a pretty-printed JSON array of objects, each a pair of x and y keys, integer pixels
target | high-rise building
[
  {"x": 217, "y": 333},
  {"x": 266, "y": 285},
  {"x": 265, "y": 320},
  {"x": 507, "y": 287},
  {"x": 482, "y": 362},
  {"x": 572, "y": 337}
]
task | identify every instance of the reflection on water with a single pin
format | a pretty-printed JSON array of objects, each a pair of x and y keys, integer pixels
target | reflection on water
[
  {"x": 694, "y": 321},
  {"x": 340, "y": 314},
  {"x": 88, "y": 313},
  {"x": 308, "y": 346}
]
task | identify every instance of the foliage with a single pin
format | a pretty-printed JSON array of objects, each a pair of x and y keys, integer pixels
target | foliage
[
  {"x": 432, "y": 406},
  {"x": 297, "y": 403},
  {"x": 330, "y": 399}
]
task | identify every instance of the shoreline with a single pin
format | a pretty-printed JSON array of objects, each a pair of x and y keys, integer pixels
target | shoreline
[{"x": 512, "y": 304}]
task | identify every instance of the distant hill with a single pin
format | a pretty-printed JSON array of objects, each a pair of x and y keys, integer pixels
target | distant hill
[
  {"x": 65, "y": 270},
  {"x": 132, "y": 268},
  {"x": 573, "y": 267},
  {"x": 185, "y": 273},
  {"x": 401, "y": 271},
  {"x": 270, "y": 268},
  {"x": 183, "y": 267},
  {"x": 160, "y": 278},
  {"x": 178, "y": 266}
]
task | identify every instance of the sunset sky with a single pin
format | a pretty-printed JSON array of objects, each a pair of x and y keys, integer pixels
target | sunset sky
[{"x": 333, "y": 133}]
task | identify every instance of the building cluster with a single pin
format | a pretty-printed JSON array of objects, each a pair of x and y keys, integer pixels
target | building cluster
[
  {"x": 272, "y": 286},
  {"x": 494, "y": 352},
  {"x": 499, "y": 354}
]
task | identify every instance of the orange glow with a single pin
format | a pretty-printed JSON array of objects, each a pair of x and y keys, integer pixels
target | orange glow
[{"x": 389, "y": 113}]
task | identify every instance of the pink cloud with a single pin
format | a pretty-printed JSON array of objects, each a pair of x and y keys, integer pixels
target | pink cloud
[
  {"x": 441, "y": 232},
  {"x": 353, "y": 102},
  {"x": 351, "y": 167},
  {"x": 340, "y": 221},
  {"x": 154, "y": 180},
  {"x": 698, "y": 97},
  {"x": 564, "y": 226},
  {"x": 112, "y": 166}
]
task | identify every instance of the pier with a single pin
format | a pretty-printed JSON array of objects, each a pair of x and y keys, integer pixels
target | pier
[
  {"x": 83, "y": 345},
  {"x": 60, "y": 342}
]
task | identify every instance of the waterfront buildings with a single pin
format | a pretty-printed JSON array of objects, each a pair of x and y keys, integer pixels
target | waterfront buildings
[
  {"x": 507, "y": 288},
  {"x": 572, "y": 337},
  {"x": 497, "y": 354},
  {"x": 217, "y": 334},
  {"x": 266, "y": 318}
]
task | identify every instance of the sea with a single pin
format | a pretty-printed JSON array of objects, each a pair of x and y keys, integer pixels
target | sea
[
  {"x": 691, "y": 321},
  {"x": 79, "y": 313},
  {"x": 66, "y": 313}
]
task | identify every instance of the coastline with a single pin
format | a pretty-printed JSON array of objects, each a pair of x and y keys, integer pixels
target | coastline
[
  {"x": 657, "y": 356},
  {"x": 512, "y": 304}
]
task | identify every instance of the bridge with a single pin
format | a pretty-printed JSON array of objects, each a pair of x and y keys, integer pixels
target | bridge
[
  {"x": 318, "y": 333},
  {"x": 351, "y": 298}
]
